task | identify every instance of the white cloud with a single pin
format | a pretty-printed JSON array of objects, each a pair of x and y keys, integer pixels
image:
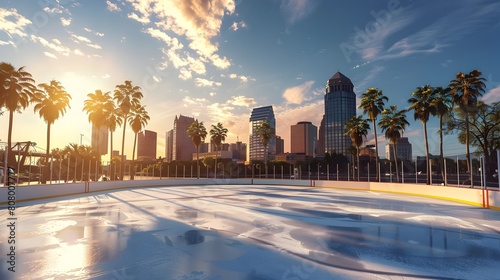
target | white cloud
[
  {"x": 237, "y": 25},
  {"x": 47, "y": 54},
  {"x": 492, "y": 96},
  {"x": 54, "y": 45},
  {"x": 65, "y": 21},
  {"x": 77, "y": 39},
  {"x": 112, "y": 7},
  {"x": 199, "y": 82},
  {"x": 242, "y": 78},
  {"x": 198, "y": 21},
  {"x": 297, "y": 94},
  {"x": 95, "y": 46},
  {"x": 241, "y": 101},
  {"x": 106, "y": 76},
  {"x": 78, "y": 52},
  {"x": 13, "y": 23},
  {"x": 94, "y": 32},
  {"x": 143, "y": 20}
]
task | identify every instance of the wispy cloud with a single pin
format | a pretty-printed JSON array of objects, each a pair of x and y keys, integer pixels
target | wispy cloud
[
  {"x": 492, "y": 96},
  {"x": 295, "y": 10},
  {"x": 112, "y": 7},
  {"x": 13, "y": 23},
  {"x": 51, "y": 55},
  {"x": 199, "y": 82},
  {"x": 237, "y": 25},
  {"x": 297, "y": 94},
  {"x": 389, "y": 36}
]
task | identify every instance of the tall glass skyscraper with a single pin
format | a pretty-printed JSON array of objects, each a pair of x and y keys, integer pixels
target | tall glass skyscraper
[
  {"x": 340, "y": 106},
  {"x": 255, "y": 146}
]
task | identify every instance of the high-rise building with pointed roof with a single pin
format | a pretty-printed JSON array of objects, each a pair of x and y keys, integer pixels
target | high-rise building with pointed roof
[
  {"x": 179, "y": 145},
  {"x": 340, "y": 106}
]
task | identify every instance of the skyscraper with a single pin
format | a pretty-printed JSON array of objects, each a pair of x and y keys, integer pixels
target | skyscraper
[
  {"x": 303, "y": 138},
  {"x": 181, "y": 146},
  {"x": 146, "y": 144},
  {"x": 255, "y": 146},
  {"x": 100, "y": 139},
  {"x": 340, "y": 106}
]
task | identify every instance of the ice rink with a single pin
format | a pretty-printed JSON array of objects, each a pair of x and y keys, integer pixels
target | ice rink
[{"x": 251, "y": 232}]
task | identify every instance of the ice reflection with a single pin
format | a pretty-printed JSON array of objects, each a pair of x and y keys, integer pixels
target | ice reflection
[{"x": 88, "y": 241}]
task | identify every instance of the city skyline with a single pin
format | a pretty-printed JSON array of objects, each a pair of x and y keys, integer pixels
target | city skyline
[{"x": 250, "y": 54}]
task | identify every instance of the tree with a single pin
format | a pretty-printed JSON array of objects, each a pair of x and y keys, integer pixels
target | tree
[
  {"x": 357, "y": 128},
  {"x": 218, "y": 135},
  {"x": 393, "y": 123},
  {"x": 484, "y": 131},
  {"x": 442, "y": 103},
  {"x": 266, "y": 133},
  {"x": 126, "y": 96},
  {"x": 16, "y": 92},
  {"x": 97, "y": 107},
  {"x": 465, "y": 90},
  {"x": 197, "y": 132},
  {"x": 51, "y": 102},
  {"x": 138, "y": 119},
  {"x": 372, "y": 103},
  {"x": 421, "y": 104}
]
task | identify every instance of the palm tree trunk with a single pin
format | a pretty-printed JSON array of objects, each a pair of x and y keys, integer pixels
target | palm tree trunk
[
  {"x": 122, "y": 162},
  {"x": 394, "y": 152},
  {"x": 376, "y": 151},
  {"x": 133, "y": 158},
  {"x": 198, "y": 162},
  {"x": 441, "y": 154},
  {"x": 426, "y": 154},
  {"x": 10, "y": 157},
  {"x": 47, "y": 171},
  {"x": 357, "y": 160},
  {"x": 467, "y": 151},
  {"x": 265, "y": 159},
  {"x": 111, "y": 172}
]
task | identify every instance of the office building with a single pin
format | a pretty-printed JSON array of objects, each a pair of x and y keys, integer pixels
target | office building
[
  {"x": 280, "y": 145},
  {"x": 255, "y": 146},
  {"x": 99, "y": 141},
  {"x": 303, "y": 138},
  {"x": 169, "y": 145},
  {"x": 179, "y": 146},
  {"x": 403, "y": 150},
  {"x": 340, "y": 106},
  {"x": 146, "y": 145},
  {"x": 320, "y": 150}
]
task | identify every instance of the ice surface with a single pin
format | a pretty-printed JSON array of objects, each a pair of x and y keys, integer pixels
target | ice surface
[{"x": 252, "y": 232}]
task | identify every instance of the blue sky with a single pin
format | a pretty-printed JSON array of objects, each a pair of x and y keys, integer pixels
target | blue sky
[{"x": 218, "y": 60}]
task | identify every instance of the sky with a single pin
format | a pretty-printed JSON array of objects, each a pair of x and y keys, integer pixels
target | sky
[{"x": 217, "y": 60}]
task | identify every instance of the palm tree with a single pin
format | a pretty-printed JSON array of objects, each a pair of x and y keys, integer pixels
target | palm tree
[
  {"x": 51, "y": 103},
  {"x": 421, "y": 104},
  {"x": 97, "y": 107},
  {"x": 465, "y": 90},
  {"x": 16, "y": 92},
  {"x": 372, "y": 103},
  {"x": 357, "y": 127},
  {"x": 265, "y": 133},
  {"x": 197, "y": 132},
  {"x": 218, "y": 135},
  {"x": 442, "y": 103},
  {"x": 138, "y": 119},
  {"x": 126, "y": 96},
  {"x": 393, "y": 123}
]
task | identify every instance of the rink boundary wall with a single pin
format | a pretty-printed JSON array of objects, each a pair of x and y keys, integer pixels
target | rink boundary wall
[{"x": 471, "y": 196}]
